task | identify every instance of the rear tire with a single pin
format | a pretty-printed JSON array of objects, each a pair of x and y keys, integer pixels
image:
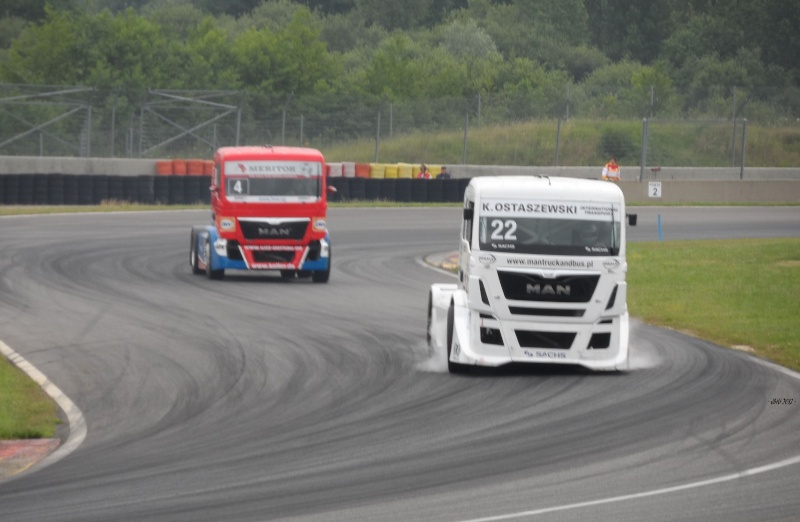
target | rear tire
[
  {"x": 211, "y": 273},
  {"x": 452, "y": 366}
]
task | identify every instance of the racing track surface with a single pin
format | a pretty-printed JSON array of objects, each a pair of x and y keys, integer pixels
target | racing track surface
[{"x": 252, "y": 399}]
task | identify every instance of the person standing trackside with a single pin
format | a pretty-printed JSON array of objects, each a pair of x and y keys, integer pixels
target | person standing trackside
[
  {"x": 443, "y": 174},
  {"x": 423, "y": 172},
  {"x": 611, "y": 171}
]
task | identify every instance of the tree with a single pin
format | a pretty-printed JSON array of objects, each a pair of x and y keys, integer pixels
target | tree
[
  {"x": 292, "y": 60},
  {"x": 395, "y": 15}
]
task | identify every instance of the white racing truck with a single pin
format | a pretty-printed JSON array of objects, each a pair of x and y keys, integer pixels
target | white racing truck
[{"x": 541, "y": 276}]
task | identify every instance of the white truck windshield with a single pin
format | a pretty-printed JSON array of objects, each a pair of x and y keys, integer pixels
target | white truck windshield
[{"x": 547, "y": 228}]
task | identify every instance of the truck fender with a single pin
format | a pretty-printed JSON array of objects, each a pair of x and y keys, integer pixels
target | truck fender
[{"x": 439, "y": 299}]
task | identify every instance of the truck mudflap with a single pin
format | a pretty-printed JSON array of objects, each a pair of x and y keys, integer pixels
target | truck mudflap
[{"x": 477, "y": 339}]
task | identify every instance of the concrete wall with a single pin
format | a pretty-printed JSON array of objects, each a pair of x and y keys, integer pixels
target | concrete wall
[
  {"x": 57, "y": 165},
  {"x": 632, "y": 173},
  {"x": 748, "y": 191}
]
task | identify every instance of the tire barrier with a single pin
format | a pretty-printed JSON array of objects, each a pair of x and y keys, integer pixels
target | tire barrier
[
  {"x": 372, "y": 189},
  {"x": 25, "y": 189},
  {"x": 358, "y": 189},
  {"x": 11, "y": 189},
  {"x": 419, "y": 190},
  {"x": 99, "y": 188},
  {"x": 161, "y": 190},
  {"x": 403, "y": 190},
  {"x": 342, "y": 186},
  {"x": 176, "y": 188},
  {"x": 71, "y": 189},
  {"x": 130, "y": 189},
  {"x": 55, "y": 189},
  {"x": 40, "y": 189},
  {"x": 85, "y": 192},
  {"x": 435, "y": 190},
  {"x": 194, "y": 187},
  {"x": 145, "y": 190},
  {"x": 116, "y": 191},
  {"x": 451, "y": 192},
  {"x": 388, "y": 190},
  {"x": 93, "y": 189}
]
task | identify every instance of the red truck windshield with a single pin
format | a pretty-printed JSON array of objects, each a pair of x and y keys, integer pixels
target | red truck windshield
[{"x": 286, "y": 181}]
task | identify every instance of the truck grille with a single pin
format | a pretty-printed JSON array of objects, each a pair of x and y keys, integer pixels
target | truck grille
[
  {"x": 293, "y": 230},
  {"x": 552, "y": 340},
  {"x": 267, "y": 256},
  {"x": 530, "y": 287},
  {"x": 545, "y": 312}
]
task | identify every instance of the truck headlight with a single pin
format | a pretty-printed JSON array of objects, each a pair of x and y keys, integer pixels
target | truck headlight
[{"x": 221, "y": 247}]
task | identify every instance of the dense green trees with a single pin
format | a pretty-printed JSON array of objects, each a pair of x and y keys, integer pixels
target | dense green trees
[{"x": 600, "y": 58}]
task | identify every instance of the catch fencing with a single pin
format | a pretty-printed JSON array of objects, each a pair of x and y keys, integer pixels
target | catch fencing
[{"x": 86, "y": 122}]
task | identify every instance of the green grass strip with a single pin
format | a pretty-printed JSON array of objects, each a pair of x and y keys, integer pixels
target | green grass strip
[
  {"x": 26, "y": 411},
  {"x": 735, "y": 293}
]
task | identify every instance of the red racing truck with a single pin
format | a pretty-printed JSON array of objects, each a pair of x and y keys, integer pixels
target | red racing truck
[{"x": 269, "y": 208}]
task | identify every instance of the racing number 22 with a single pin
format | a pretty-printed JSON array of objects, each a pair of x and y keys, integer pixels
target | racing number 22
[{"x": 504, "y": 229}]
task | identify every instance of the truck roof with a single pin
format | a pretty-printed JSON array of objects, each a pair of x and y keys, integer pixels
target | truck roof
[
  {"x": 269, "y": 152},
  {"x": 546, "y": 187}
]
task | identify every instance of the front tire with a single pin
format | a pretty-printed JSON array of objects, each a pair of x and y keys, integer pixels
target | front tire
[
  {"x": 193, "y": 256},
  {"x": 211, "y": 273},
  {"x": 322, "y": 276},
  {"x": 452, "y": 367}
]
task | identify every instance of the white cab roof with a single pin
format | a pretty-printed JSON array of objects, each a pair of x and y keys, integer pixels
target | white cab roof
[{"x": 544, "y": 187}]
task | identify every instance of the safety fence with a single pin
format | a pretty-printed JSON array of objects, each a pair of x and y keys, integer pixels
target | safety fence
[{"x": 95, "y": 189}]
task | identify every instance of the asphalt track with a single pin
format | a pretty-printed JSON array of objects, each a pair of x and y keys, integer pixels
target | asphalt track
[{"x": 252, "y": 399}]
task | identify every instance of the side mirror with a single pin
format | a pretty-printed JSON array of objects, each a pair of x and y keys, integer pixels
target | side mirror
[
  {"x": 469, "y": 213},
  {"x": 631, "y": 219}
]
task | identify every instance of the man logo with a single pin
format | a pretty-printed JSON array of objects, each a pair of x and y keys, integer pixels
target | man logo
[
  {"x": 274, "y": 232},
  {"x": 539, "y": 289},
  {"x": 486, "y": 260}
]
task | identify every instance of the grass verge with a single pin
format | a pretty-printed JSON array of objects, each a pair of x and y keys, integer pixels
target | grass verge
[
  {"x": 26, "y": 411},
  {"x": 735, "y": 293}
]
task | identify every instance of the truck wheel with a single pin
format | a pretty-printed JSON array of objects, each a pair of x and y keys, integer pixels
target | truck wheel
[
  {"x": 210, "y": 272},
  {"x": 430, "y": 318},
  {"x": 451, "y": 366},
  {"x": 322, "y": 276},
  {"x": 193, "y": 253}
]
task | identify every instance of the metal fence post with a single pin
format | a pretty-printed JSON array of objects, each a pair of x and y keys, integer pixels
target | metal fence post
[
  {"x": 238, "y": 124},
  {"x": 283, "y": 127},
  {"x": 466, "y": 127},
  {"x": 643, "y": 162},
  {"x": 744, "y": 141},
  {"x": 378, "y": 137},
  {"x": 558, "y": 139}
]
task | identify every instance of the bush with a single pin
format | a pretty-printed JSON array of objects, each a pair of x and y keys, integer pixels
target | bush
[{"x": 618, "y": 143}]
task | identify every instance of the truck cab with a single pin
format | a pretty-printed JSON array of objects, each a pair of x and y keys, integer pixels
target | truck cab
[
  {"x": 269, "y": 213},
  {"x": 541, "y": 276}
]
